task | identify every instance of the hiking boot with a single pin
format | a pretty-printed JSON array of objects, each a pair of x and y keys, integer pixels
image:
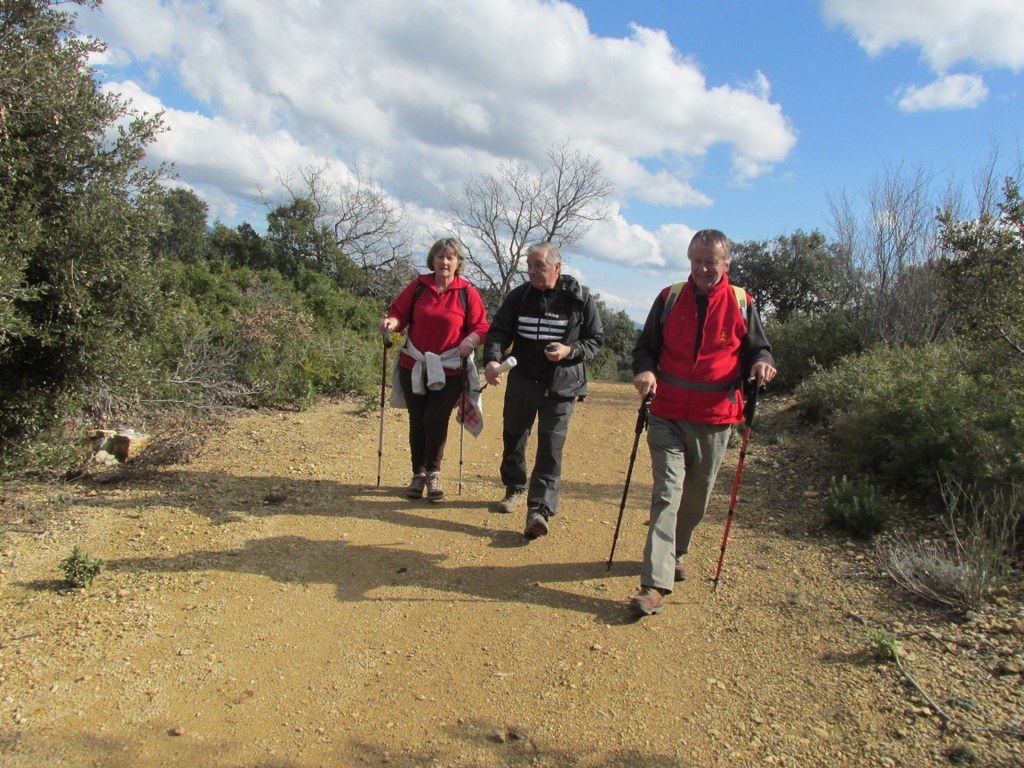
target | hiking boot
[
  {"x": 415, "y": 489},
  {"x": 536, "y": 524},
  {"x": 434, "y": 490},
  {"x": 513, "y": 498},
  {"x": 646, "y": 602},
  {"x": 680, "y": 574}
]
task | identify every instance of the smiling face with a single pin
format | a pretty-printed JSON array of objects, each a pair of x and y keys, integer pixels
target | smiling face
[{"x": 707, "y": 265}]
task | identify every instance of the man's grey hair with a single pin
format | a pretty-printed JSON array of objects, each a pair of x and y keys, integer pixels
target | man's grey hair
[
  {"x": 550, "y": 251},
  {"x": 712, "y": 238}
]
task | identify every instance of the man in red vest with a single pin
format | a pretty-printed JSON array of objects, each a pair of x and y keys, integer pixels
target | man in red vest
[{"x": 702, "y": 340}]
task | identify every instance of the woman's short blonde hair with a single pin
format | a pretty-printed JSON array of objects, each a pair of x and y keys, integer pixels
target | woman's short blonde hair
[{"x": 452, "y": 244}]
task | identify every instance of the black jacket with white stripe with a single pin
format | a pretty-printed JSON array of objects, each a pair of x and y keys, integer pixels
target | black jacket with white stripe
[{"x": 529, "y": 319}]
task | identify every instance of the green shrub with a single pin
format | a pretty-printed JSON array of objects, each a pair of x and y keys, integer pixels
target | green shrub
[
  {"x": 80, "y": 568},
  {"x": 909, "y": 416},
  {"x": 604, "y": 366},
  {"x": 804, "y": 344},
  {"x": 279, "y": 342},
  {"x": 856, "y": 507}
]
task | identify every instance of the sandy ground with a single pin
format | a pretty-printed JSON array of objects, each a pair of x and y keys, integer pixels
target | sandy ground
[{"x": 267, "y": 605}]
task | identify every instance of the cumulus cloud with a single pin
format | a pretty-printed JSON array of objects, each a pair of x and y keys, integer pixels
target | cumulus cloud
[
  {"x": 422, "y": 93},
  {"x": 949, "y": 92},
  {"x": 948, "y": 32}
]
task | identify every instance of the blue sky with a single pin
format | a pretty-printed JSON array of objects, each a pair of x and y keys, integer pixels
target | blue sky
[{"x": 743, "y": 116}]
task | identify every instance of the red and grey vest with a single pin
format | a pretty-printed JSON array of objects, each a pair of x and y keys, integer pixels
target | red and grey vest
[{"x": 701, "y": 384}]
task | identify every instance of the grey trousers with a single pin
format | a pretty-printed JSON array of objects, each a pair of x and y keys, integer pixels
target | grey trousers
[
  {"x": 525, "y": 402},
  {"x": 685, "y": 458}
]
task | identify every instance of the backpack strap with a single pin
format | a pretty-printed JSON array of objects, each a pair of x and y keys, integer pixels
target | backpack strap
[
  {"x": 670, "y": 301},
  {"x": 463, "y": 299},
  {"x": 676, "y": 288},
  {"x": 741, "y": 298}
]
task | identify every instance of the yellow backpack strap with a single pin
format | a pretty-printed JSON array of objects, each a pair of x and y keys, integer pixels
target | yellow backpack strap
[
  {"x": 676, "y": 288},
  {"x": 673, "y": 293},
  {"x": 741, "y": 298}
]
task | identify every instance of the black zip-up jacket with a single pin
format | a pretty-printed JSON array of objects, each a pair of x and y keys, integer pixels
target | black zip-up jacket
[{"x": 529, "y": 319}]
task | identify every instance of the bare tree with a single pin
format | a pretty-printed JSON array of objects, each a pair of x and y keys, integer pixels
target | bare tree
[
  {"x": 500, "y": 216},
  {"x": 369, "y": 226},
  {"x": 894, "y": 246}
]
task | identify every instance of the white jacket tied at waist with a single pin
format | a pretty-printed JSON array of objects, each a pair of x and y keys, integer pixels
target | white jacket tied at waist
[{"x": 428, "y": 373}]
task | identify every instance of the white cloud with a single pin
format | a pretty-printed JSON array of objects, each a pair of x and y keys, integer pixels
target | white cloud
[
  {"x": 424, "y": 94},
  {"x": 948, "y": 92},
  {"x": 948, "y": 32},
  {"x": 616, "y": 241}
]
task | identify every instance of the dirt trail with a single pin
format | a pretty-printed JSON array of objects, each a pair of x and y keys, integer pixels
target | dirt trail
[{"x": 266, "y": 605}]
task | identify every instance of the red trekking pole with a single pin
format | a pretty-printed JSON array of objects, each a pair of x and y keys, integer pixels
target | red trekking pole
[{"x": 751, "y": 406}]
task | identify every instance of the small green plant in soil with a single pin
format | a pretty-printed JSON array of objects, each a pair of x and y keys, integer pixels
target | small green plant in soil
[
  {"x": 80, "y": 568},
  {"x": 884, "y": 647},
  {"x": 856, "y": 507}
]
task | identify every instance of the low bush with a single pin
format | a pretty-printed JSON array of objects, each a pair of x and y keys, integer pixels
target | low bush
[
  {"x": 804, "y": 345},
  {"x": 910, "y": 416},
  {"x": 856, "y": 507},
  {"x": 976, "y": 557},
  {"x": 278, "y": 342}
]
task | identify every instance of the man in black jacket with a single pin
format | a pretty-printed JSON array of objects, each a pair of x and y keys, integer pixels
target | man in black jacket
[{"x": 552, "y": 326}]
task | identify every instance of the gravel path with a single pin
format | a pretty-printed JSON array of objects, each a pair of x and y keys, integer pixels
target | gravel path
[{"x": 266, "y": 605}]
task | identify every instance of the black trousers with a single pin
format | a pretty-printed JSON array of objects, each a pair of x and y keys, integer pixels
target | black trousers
[
  {"x": 526, "y": 401},
  {"x": 429, "y": 416}
]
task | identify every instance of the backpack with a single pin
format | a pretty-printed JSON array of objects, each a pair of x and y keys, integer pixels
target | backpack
[{"x": 676, "y": 288}]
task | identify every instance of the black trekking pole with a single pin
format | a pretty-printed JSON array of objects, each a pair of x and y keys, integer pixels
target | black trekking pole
[
  {"x": 462, "y": 420},
  {"x": 750, "y": 408},
  {"x": 386, "y": 338},
  {"x": 641, "y": 422}
]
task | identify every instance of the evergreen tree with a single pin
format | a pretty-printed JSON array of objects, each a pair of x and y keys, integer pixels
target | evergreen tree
[{"x": 75, "y": 220}]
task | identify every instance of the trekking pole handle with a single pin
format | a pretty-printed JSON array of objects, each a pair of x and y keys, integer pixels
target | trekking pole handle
[
  {"x": 641, "y": 416},
  {"x": 386, "y": 339},
  {"x": 751, "y": 404}
]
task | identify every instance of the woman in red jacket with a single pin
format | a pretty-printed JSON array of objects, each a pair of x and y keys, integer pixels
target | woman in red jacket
[{"x": 445, "y": 321}]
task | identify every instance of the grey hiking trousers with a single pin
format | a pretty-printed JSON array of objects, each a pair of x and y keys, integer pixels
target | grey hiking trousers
[
  {"x": 527, "y": 402},
  {"x": 685, "y": 458}
]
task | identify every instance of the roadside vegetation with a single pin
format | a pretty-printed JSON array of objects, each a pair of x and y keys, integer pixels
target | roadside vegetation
[{"x": 120, "y": 302}]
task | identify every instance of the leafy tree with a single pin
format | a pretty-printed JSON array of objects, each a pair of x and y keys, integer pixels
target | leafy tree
[
  {"x": 984, "y": 274},
  {"x": 296, "y": 240},
  {"x": 76, "y": 220},
  {"x": 619, "y": 337},
  {"x": 240, "y": 247},
  {"x": 793, "y": 273},
  {"x": 620, "y": 331},
  {"x": 181, "y": 232},
  {"x": 500, "y": 216}
]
